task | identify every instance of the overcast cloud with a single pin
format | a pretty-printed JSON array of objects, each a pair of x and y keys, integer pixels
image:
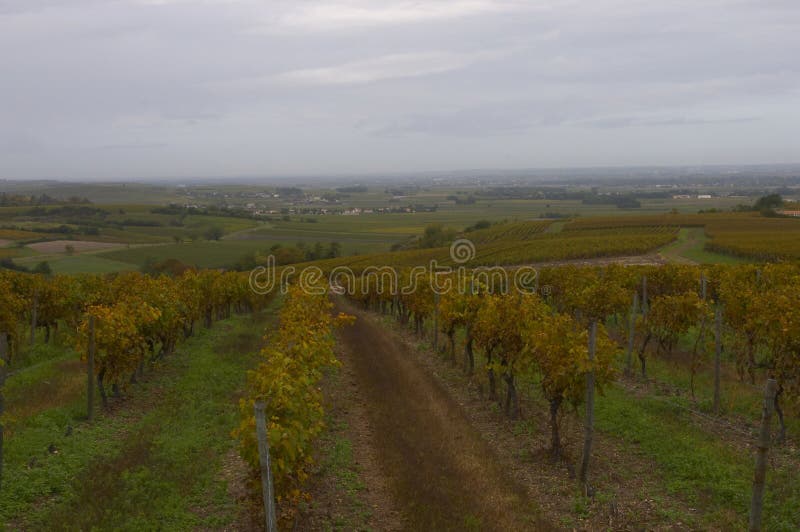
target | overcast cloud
[{"x": 117, "y": 89}]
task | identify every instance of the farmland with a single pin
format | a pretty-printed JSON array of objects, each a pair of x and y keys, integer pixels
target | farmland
[
  {"x": 505, "y": 374},
  {"x": 489, "y": 351},
  {"x": 208, "y": 226}
]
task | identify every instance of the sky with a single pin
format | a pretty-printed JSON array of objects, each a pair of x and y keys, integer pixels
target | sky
[{"x": 126, "y": 89}]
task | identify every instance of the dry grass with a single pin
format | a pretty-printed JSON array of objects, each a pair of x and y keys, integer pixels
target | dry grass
[
  {"x": 64, "y": 387},
  {"x": 16, "y": 234}
]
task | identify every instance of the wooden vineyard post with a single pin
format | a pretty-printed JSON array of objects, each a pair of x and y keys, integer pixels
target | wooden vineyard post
[
  {"x": 469, "y": 357},
  {"x": 34, "y": 310},
  {"x": 3, "y": 372},
  {"x": 631, "y": 335},
  {"x": 644, "y": 295},
  {"x": 703, "y": 286},
  {"x": 756, "y": 504},
  {"x": 717, "y": 355},
  {"x": 436, "y": 322},
  {"x": 90, "y": 371},
  {"x": 266, "y": 470},
  {"x": 588, "y": 423}
]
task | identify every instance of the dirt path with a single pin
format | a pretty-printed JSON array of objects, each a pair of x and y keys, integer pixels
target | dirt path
[
  {"x": 650, "y": 259},
  {"x": 348, "y": 488},
  {"x": 242, "y": 234},
  {"x": 688, "y": 240},
  {"x": 442, "y": 474}
]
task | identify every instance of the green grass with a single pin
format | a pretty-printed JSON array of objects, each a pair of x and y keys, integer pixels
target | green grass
[
  {"x": 204, "y": 254},
  {"x": 16, "y": 252},
  {"x": 696, "y": 465},
  {"x": 38, "y": 365},
  {"x": 738, "y": 398},
  {"x": 153, "y": 464},
  {"x": 84, "y": 263},
  {"x": 700, "y": 466},
  {"x": 340, "y": 463},
  {"x": 690, "y": 247}
]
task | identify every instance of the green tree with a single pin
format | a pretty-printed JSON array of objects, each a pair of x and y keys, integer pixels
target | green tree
[
  {"x": 768, "y": 203},
  {"x": 42, "y": 268},
  {"x": 214, "y": 233},
  {"x": 435, "y": 236}
]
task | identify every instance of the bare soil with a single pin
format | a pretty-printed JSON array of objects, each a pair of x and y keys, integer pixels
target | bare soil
[
  {"x": 348, "y": 494},
  {"x": 651, "y": 259},
  {"x": 241, "y": 490},
  {"x": 442, "y": 473}
]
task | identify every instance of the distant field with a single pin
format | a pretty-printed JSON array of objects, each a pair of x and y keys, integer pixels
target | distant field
[
  {"x": 101, "y": 192},
  {"x": 79, "y": 246},
  {"x": 537, "y": 246},
  {"x": 499, "y": 208},
  {"x": 461, "y": 216},
  {"x": 122, "y": 223},
  {"x": 328, "y": 230},
  {"x": 8, "y": 253},
  {"x": 206, "y": 254},
  {"x": 200, "y": 254},
  {"x": 514, "y": 242},
  {"x": 747, "y": 234},
  {"x": 89, "y": 264},
  {"x": 123, "y": 214},
  {"x": 749, "y": 219},
  {"x": 15, "y": 252},
  {"x": 16, "y": 234},
  {"x": 517, "y": 231}
]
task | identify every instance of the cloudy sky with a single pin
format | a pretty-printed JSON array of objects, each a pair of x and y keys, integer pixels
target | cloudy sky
[{"x": 113, "y": 89}]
